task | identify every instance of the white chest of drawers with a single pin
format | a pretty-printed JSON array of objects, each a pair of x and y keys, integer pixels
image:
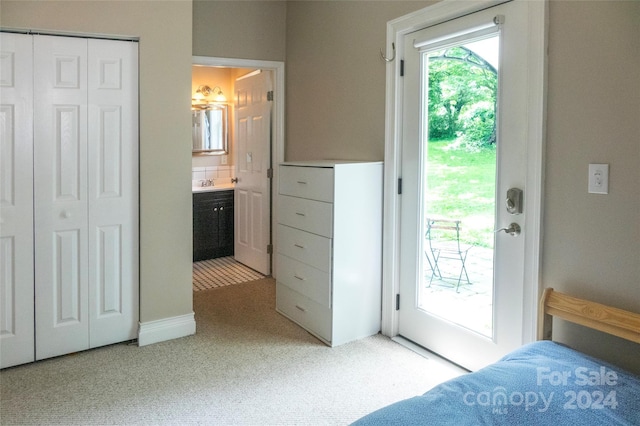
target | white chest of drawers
[{"x": 329, "y": 248}]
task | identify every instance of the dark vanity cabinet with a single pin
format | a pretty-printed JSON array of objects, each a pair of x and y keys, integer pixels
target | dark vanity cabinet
[{"x": 212, "y": 224}]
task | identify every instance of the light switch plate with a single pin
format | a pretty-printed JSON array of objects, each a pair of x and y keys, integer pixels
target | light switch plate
[{"x": 598, "y": 178}]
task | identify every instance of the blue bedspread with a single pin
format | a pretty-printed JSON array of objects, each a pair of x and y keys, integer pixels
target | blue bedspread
[{"x": 542, "y": 383}]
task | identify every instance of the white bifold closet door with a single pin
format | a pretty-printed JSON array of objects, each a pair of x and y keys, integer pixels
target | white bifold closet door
[
  {"x": 16, "y": 200},
  {"x": 85, "y": 194}
]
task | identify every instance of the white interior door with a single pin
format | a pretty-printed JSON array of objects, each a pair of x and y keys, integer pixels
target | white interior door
[
  {"x": 113, "y": 191},
  {"x": 494, "y": 292},
  {"x": 16, "y": 200},
  {"x": 61, "y": 207},
  {"x": 253, "y": 161}
]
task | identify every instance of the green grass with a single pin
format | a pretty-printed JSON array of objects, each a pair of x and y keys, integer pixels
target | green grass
[{"x": 461, "y": 185}]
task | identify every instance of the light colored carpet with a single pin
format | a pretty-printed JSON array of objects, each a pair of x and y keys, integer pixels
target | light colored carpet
[
  {"x": 221, "y": 272},
  {"x": 246, "y": 365}
]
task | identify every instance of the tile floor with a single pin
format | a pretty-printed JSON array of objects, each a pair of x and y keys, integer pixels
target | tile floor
[{"x": 221, "y": 272}]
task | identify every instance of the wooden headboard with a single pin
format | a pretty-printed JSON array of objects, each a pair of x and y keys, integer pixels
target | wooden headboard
[{"x": 600, "y": 317}]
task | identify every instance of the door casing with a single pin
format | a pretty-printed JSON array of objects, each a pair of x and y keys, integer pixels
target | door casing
[{"x": 537, "y": 48}]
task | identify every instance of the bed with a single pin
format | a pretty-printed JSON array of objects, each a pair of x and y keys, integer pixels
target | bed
[{"x": 542, "y": 383}]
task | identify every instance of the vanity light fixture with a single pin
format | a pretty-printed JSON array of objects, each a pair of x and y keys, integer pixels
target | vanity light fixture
[{"x": 200, "y": 100}]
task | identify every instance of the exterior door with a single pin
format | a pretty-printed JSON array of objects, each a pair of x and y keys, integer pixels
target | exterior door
[
  {"x": 464, "y": 302},
  {"x": 253, "y": 162},
  {"x": 16, "y": 200}
]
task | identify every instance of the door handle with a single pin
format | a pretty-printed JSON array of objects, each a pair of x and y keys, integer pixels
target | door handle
[
  {"x": 234, "y": 180},
  {"x": 513, "y": 230}
]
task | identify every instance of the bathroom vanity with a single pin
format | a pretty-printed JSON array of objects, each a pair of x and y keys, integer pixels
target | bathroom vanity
[{"x": 212, "y": 222}]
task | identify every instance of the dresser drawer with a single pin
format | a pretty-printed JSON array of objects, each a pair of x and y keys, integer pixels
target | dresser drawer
[
  {"x": 304, "y": 311},
  {"x": 306, "y": 280},
  {"x": 308, "y": 215},
  {"x": 313, "y": 183},
  {"x": 314, "y": 250}
]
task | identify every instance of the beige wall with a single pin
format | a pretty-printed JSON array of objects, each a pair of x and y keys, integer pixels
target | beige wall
[
  {"x": 336, "y": 78},
  {"x": 164, "y": 29},
  {"x": 240, "y": 29},
  {"x": 592, "y": 242}
]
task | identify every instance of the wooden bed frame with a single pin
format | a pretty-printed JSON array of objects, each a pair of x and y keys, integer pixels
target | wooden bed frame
[{"x": 600, "y": 317}]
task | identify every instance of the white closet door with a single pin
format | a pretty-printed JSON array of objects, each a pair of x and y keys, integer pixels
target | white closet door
[
  {"x": 61, "y": 244},
  {"x": 113, "y": 191},
  {"x": 16, "y": 200}
]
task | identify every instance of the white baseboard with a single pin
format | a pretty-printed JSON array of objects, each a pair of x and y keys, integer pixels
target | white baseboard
[{"x": 166, "y": 329}]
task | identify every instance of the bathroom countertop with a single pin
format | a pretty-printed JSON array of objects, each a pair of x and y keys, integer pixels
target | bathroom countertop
[{"x": 220, "y": 187}]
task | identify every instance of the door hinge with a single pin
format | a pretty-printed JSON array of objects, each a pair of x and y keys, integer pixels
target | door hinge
[
  {"x": 269, "y": 248},
  {"x": 270, "y": 95},
  {"x": 398, "y": 302},
  {"x": 269, "y": 173},
  {"x": 401, "y": 67},
  {"x": 399, "y": 186}
]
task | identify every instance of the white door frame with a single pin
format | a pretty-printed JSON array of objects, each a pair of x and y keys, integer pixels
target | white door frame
[
  {"x": 278, "y": 121},
  {"x": 537, "y": 52}
]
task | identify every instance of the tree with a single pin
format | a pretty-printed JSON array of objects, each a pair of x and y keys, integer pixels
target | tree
[{"x": 462, "y": 97}]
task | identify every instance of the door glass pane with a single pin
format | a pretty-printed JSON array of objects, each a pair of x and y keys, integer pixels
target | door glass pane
[{"x": 459, "y": 181}]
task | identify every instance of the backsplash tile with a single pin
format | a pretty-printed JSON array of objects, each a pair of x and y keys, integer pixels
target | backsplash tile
[
  {"x": 219, "y": 174},
  {"x": 198, "y": 174}
]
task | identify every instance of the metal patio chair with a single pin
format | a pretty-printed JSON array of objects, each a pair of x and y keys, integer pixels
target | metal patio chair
[{"x": 443, "y": 236}]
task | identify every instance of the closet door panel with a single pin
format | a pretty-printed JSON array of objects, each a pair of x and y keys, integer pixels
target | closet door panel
[
  {"x": 113, "y": 191},
  {"x": 60, "y": 187},
  {"x": 66, "y": 280},
  {"x": 16, "y": 200}
]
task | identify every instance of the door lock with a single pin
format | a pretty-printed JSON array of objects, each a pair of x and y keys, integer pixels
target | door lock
[{"x": 514, "y": 201}]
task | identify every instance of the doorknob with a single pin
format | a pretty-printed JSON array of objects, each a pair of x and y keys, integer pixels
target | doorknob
[
  {"x": 234, "y": 180},
  {"x": 513, "y": 229}
]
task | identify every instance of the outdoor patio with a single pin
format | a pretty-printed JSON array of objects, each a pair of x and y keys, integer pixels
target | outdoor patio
[{"x": 471, "y": 305}]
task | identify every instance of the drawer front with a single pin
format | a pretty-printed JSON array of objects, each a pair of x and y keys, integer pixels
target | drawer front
[
  {"x": 224, "y": 196},
  {"x": 314, "y": 250},
  {"x": 313, "y": 183},
  {"x": 308, "y": 215},
  {"x": 306, "y": 280},
  {"x": 304, "y": 311},
  {"x": 213, "y": 196}
]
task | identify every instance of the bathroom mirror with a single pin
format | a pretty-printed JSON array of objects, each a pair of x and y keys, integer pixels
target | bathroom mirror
[{"x": 209, "y": 130}]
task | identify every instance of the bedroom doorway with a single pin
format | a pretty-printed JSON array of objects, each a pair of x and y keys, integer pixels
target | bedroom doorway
[
  {"x": 464, "y": 300},
  {"x": 265, "y": 234}
]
